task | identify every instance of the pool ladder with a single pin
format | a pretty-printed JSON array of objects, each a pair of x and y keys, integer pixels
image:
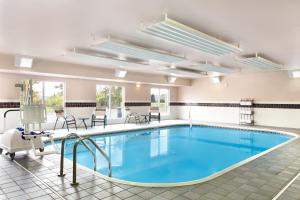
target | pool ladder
[{"x": 80, "y": 140}]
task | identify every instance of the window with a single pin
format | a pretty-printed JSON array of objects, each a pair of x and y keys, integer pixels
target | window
[
  {"x": 159, "y": 143},
  {"x": 112, "y": 98},
  {"x": 160, "y": 98},
  {"x": 49, "y": 93}
]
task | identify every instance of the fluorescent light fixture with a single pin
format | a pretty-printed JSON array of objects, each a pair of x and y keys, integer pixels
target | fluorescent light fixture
[
  {"x": 177, "y": 32},
  {"x": 294, "y": 74},
  {"x": 171, "y": 79},
  {"x": 216, "y": 79},
  {"x": 121, "y": 47},
  {"x": 23, "y": 61},
  {"x": 120, "y": 73},
  {"x": 209, "y": 67},
  {"x": 260, "y": 62},
  {"x": 99, "y": 58},
  {"x": 183, "y": 72}
]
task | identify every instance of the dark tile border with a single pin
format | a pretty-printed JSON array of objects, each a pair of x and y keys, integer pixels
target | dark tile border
[
  {"x": 205, "y": 104},
  {"x": 80, "y": 104},
  {"x": 93, "y": 104},
  {"x": 9, "y": 104},
  {"x": 282, "y": 106},
  {"x": 255, "y": 105},
  {"x": 137, "y": 103}
]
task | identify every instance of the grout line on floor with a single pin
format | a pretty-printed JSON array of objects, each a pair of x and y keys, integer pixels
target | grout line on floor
[
  {"x": 286, "y": 187},
  {"x": 49, "y": 187}
]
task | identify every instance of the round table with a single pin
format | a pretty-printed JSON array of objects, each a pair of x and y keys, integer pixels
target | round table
[{"x": 83, "y": 119}]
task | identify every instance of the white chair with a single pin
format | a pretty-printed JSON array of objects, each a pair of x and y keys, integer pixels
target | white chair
[{"x": 132, "y": 115}]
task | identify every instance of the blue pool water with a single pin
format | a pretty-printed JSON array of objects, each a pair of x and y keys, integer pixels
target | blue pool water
[{"x": 174, "y": 154}]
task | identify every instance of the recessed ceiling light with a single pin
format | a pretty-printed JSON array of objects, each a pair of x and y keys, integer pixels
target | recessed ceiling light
[
  {"x": 171, "y": 79},
  {"x": 120, "y": 73},
  {"x": 23, "y": 61},
  {"x": 216, "y": 79},
  {"x": 173, "y": 66},
  {"x": 294, "y": 74}
]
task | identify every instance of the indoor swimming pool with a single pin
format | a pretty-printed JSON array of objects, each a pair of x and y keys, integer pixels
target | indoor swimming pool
[{"x": 174, "y": 154}]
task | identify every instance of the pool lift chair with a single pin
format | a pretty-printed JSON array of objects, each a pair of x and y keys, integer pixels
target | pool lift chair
[{"x": 27, "y": 137}]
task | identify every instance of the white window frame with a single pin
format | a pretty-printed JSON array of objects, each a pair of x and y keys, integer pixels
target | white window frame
[
  {"x": 109, "y": 108},
  {"x": 167, "y": 100},
  {"x": 51, "y": 117}
]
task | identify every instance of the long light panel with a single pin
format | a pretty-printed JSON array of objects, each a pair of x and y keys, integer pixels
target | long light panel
[
  {"x": 96, "y": 57},
  {"x": 260, "y": 62},
  {"x": 209, "y": 67},
  {"x": 177, "y": 32},
  {"x": 181, "y": 72},
  {"x": 120, "y": 47}
]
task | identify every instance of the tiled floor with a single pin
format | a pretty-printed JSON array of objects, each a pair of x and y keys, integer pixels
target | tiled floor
[
  {"x": 260, "y": 179},
  {"x": 16, "y": 183}
]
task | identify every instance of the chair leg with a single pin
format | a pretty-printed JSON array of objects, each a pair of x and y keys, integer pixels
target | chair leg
[
  {"x": 75, "y": 125},
  {"x": 125, "y": 119},
  {"x": 63, "y": 125},
  {"x": 55, "y": 123},
  {"x": 67, "y": 125}
]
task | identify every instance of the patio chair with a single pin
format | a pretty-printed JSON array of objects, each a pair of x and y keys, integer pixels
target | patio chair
[
  {"x": 68, "y": 120},
  {"x": 154, "y": 114},
  {"x": 132, "y": 115},
  {"x": 99, "y": 116}
]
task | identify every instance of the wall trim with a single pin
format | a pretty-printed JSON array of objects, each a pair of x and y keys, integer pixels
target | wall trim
[
  {"x": 10, "y": 104},
  {"x": 14, "y": 104},
  {"x": 80, "y": 104},
  {"x": 129, "y": 104},
  {"x": 255, "y": 105}
]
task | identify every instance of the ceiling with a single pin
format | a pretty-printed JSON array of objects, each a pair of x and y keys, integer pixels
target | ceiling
[{"x": 49, "y": 29}]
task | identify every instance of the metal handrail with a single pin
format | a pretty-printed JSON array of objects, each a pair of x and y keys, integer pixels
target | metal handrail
[
  {"x": 4, "y": 117},
  {"x": 11, "y": 110},
  {"x": 62, "y": 153},
  {"x": 74, "y": 183}
]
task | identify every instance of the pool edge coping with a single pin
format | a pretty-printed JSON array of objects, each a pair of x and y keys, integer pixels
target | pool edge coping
[{"x": 208, "y": 178}]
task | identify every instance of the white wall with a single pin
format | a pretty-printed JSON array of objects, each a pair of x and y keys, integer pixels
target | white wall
[
  {"x": 263, "y": 87},
  {"x": 263, "y": 116}
]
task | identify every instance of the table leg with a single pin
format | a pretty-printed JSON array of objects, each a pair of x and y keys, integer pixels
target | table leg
[{"x": 84, "y": 124}]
